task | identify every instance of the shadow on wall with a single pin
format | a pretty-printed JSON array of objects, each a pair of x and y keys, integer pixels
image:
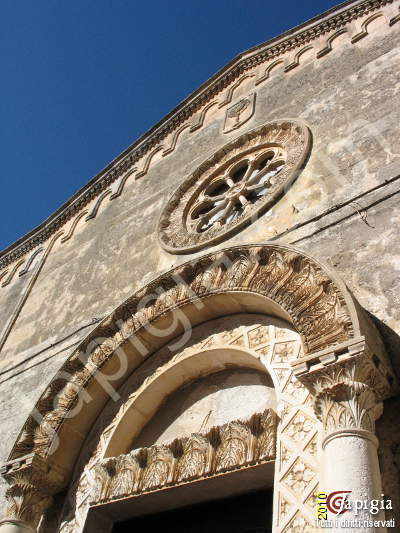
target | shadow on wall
[
  {"x": 391, "y": 340},
  {"x": 209, "y": 401}
]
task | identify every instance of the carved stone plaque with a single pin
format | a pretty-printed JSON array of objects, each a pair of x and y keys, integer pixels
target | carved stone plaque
[{"x": 239, "y": 113}]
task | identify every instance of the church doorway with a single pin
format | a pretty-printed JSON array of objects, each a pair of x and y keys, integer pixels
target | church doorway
[{"x": 246, "y": 513}]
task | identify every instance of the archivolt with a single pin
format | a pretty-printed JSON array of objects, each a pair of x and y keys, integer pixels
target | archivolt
[{"x": 271, "y": 279}]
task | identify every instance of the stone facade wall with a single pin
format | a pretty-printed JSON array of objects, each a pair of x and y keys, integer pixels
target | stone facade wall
[{"x": 343, "y": 208}]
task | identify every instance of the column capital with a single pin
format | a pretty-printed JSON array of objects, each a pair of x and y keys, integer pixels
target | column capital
[
  {"x": 352, "y": 361},
  {"x": 343, "y": 404},
  {"x": 348, "y": 384},
  {"x": 32, "y": 483}
]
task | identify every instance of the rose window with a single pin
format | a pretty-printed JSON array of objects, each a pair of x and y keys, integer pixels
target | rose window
[
  {"x": 228, "y": 195},
  {"x": 234, "y": 187}
]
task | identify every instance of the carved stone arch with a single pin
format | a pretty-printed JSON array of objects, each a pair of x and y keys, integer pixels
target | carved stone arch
[
  {"x": 242, "y": 341},
  {"x": 284, "y": 278},
  {"x": 271, "y": 279},
  {"x": 278, "y": 63}
]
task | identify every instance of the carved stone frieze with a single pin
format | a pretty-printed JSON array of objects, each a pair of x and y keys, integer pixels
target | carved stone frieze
[
  {"x": 195, "y": 460},
  {"x": 193, "y": 457},
  {"x": 237, "y": 183},
  {"x": 234, "y": 442},
  {"x": 232, "y": 446}
]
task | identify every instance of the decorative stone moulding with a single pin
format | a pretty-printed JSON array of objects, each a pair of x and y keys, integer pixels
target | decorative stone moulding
[
  {"x": 235, "y": 445},
  {"x": 238, "y": 183}
]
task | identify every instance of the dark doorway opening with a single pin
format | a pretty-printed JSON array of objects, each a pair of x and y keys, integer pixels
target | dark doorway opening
[{"x": 248, "y": 513}]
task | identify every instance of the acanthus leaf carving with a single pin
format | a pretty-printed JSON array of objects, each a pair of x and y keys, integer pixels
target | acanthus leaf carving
[
  {"x": 221, "y": 449},
  {"x": 32, "y": 485},
  {"x": 345, "y": 395}
]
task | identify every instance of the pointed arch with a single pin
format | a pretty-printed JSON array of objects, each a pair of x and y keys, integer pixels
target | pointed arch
[
  {"x": 118, "y": 186},
  {"x": 10, "y": 276},
  {"x": 329, "y": 42},
  {"x": 73, "y": 225},
  {"x": 147, "y": 162},
  {"x": 229, "y": 95},
  {"x": 30, "y": 261},
  {"x": 175, "y": 137},
  {"x": 201, "y": 117},
  {"x": 96, "y": 207}
]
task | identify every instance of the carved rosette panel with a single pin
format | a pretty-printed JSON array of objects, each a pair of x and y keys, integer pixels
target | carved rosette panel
[{"x": 239, "y": 182}]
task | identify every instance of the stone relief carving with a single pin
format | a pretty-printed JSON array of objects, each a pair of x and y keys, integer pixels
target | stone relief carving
[
  {"x": 297, "y": 464},
  {"x": 195, "y": 460},
  {"x": 319, "y": 311},
  {"x": 158, "y": 466},
  {"x": 346, "y": 396},
  {"x": 348, "y": 388},
  {"x": 298, "y": 429},
  {"x": 264, "y": 443},
  {"x": 232, "y": 451},
  {"x": 239, "y": 113},
  {"x": 32, "y": 484},
  {"x": 237, "y": 183},
  {"x": 222, "y": 449},
  {"x": 295, "y": 282},
  {"x": 194, "y": 457}
]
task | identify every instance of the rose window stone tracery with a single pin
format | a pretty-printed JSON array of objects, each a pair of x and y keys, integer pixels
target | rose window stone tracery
[
  {"x": 227, "y": 195},
  {"x": 238, "y": 183}
]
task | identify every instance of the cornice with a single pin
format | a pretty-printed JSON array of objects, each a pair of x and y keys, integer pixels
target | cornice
[{"x": 333, "y": 19}]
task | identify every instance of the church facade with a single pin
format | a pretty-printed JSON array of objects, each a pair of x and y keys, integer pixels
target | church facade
[{"x": 207, "y": 334}]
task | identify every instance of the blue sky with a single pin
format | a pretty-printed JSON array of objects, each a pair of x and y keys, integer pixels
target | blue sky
[{"x": 81, "y": 80}]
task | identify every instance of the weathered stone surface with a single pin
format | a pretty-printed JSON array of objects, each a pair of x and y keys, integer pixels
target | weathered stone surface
[{"x": 349, "y": 99}]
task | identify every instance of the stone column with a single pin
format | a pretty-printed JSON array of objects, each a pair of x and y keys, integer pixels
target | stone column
[
  {"x": 348, "y": 410},
  {"x": 32, "y": 483},
  {"x": 348, "y": 389}
]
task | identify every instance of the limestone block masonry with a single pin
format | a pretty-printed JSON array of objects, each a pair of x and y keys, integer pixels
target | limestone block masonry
[{"x": 253, "y": 233}]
